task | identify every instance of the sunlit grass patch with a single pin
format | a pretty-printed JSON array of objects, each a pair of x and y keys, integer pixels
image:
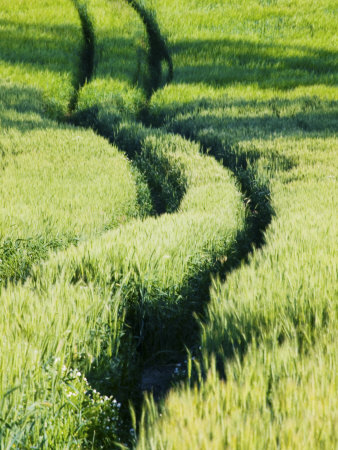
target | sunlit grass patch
[{"x": 59, "y": 185}]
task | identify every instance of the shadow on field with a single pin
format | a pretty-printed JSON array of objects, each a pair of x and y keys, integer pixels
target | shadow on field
[
  {"x": 227, "y": 61},
  {"x": 57, "y": 48},
  {"x": 246, "y": 120},
  {"x": 40, "y": 46},
  {"x": 22, "y": 108}
]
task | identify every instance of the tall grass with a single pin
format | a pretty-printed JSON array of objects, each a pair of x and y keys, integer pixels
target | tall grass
[
  {"x": 132, "y": 288},
  {"x": 274, "y": 398},
  {"x": 59, "y": 185},
  {"x": 272, "y": 324},
  {"x": 252, "y": 90}
]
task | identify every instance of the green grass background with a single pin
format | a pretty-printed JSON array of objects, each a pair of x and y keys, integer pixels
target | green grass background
[{"x": 255, "y": 87}]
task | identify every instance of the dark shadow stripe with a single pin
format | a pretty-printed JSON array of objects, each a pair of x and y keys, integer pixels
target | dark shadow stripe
[
  {"x": 87, "y": 58},
  {"x": 158, "y": 49}
]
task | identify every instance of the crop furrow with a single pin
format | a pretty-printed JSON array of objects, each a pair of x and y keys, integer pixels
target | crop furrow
[
  {"x": 87, "y": 57},
  {"x": 157, "y": 52}
]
